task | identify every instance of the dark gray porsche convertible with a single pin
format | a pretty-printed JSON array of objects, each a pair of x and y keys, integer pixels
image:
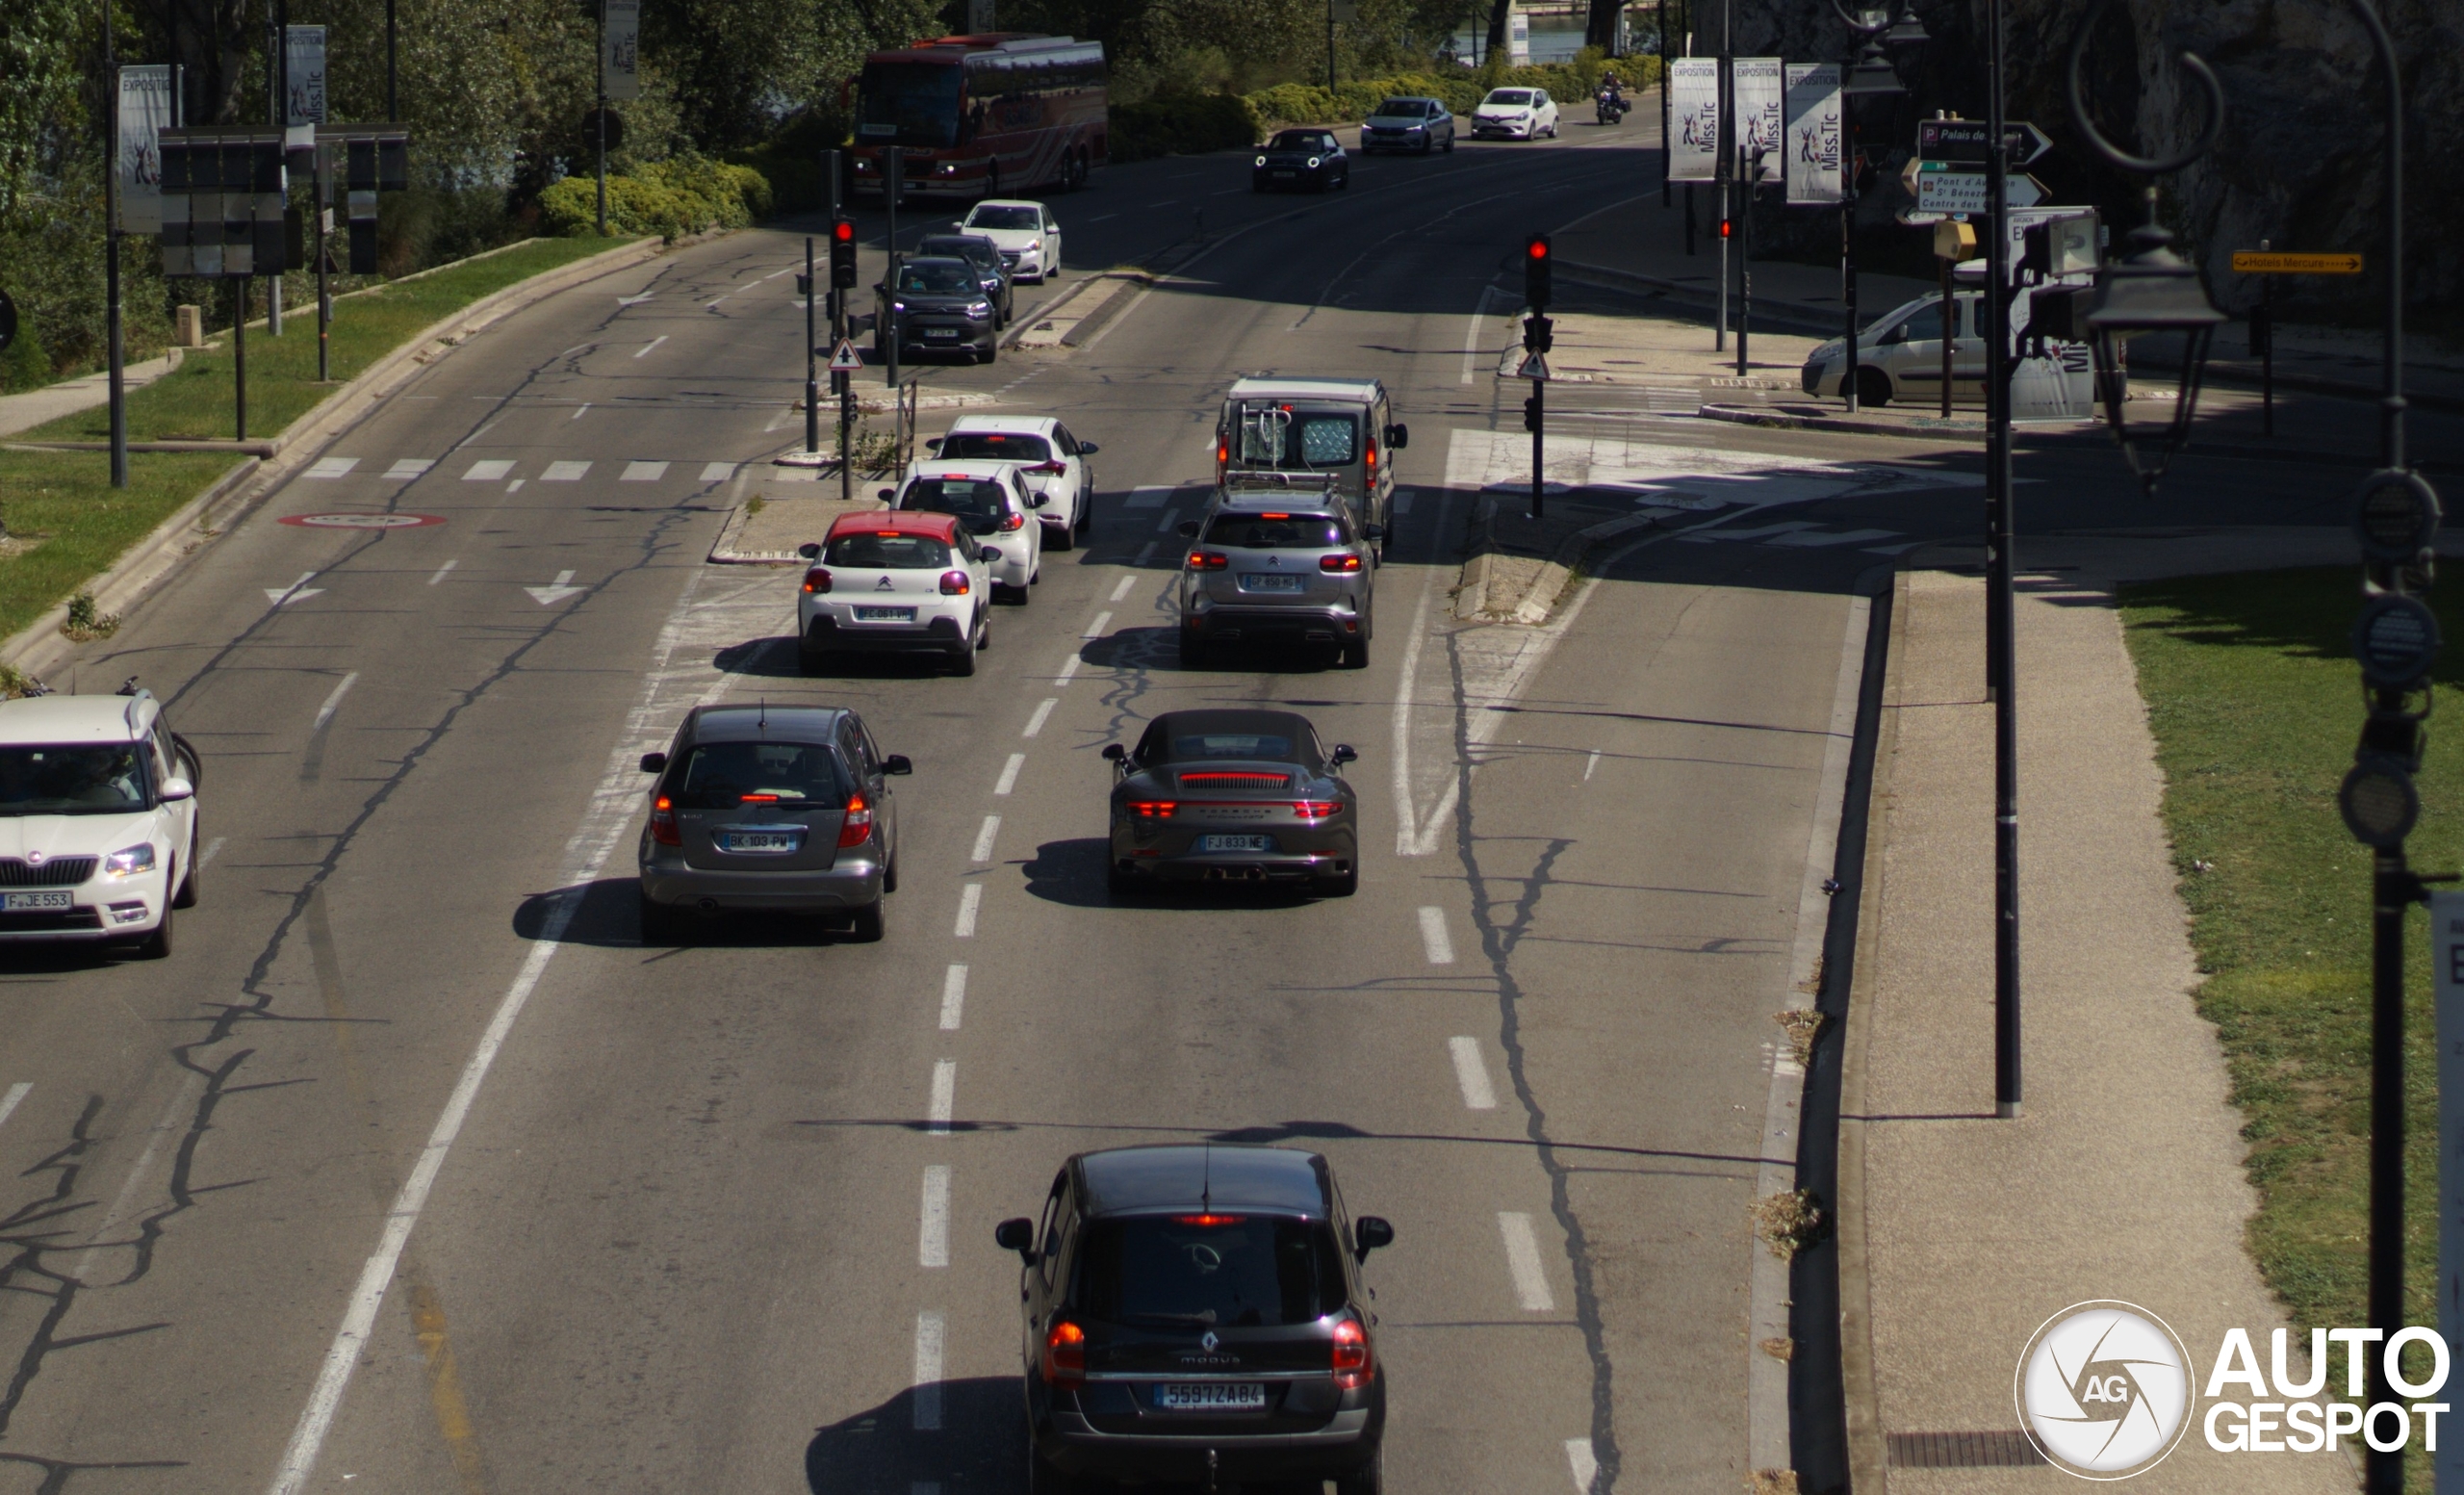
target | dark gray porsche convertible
[{"x": 1233, "y": 796}]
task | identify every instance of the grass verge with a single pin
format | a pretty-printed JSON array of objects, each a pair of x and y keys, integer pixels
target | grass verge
[
  {"x": 2255, "y": 704},
  {"x": 65, "y": 499}
]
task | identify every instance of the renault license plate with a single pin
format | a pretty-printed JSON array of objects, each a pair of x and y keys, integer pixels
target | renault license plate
[
  {"x": 16, "y": 901},
  {"x": 885, "y": 614},
  {"x": 1212, "y": 1396},
  {"x": 1236, "y": 843},
  {"x": 1264, "y": 582},
  {"x": 773, "y": 841}
]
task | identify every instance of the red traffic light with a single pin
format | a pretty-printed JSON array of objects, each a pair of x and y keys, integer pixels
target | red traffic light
[
  {"x": 1538, "y": 248},
  {"x": 844, "y": 231},
  {"x": 1724, "y": 228}
]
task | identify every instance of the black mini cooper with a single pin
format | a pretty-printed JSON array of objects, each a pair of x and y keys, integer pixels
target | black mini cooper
[
  {"x": 1296, "y": 159},
  {"x": 1196, "y": 1313}
]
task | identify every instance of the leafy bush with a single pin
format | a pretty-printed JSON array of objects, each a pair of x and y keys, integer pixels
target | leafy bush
[
  {"x": 670, "y": 198},
  {"x": 1183, "y": 126}
]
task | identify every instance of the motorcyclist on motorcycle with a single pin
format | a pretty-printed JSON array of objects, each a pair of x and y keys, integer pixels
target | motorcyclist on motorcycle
[{"x": 1610, "y": 102}]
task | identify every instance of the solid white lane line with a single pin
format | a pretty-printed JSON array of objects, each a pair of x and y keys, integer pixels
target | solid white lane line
[
  {"x": 1584, "y": 1462},
  {"x": 652, "y": 343},
  {"x": 1472, "y": 1073},
  {"x": 952, "y": 997},
  {"x": 1472, "y": 334},
  {"x": 945, "y": 1089},
  {"x": 1008, "y": 779},
  {"x": 1433, "y": 939},
  {"x": 1122, "y": 590},
  {"x": 17, "y": 1092},
  {"x": 933, "y": 1232},
  {"x": 442, "y": 570},
  {"x": 1590, "y": 764},
  {"x": 970, "y": 902},
  {"x": 930, "y": 1330},
  {"x": 326, "y": 712},
  {"x": 982, "y": 851},
  {"x": 1095, "y": 629},
  {"x": 1523, "y": 1262},
  {"x": 205, "y": 858},
  {"x": 1069, "y": 667},
  {"x": 1165, "y": 521},
  {"x": 578, "y": 410},
  {"x": 1043, "y": 714}
]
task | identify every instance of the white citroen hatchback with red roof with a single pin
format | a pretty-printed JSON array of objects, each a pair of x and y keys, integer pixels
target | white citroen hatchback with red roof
[{"x": 892, "y": 582}]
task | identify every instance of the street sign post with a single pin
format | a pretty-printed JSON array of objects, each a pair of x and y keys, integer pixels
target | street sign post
[
  {"x": 843, "y": 358},
  {"x": 1941, "y": 187},
  {"x": 2262, "y": 262},
  {"x": 2248, "y": 262},
  {"x": 1967, "y": 139}
]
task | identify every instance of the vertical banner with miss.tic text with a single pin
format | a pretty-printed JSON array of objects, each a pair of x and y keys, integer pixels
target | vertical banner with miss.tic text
[
  {"x": 1693, "y": 119},
  {"x": 1812, "y": 132}
]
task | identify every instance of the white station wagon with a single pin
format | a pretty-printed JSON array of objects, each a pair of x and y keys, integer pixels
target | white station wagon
[{"x": 97, "y": 820}]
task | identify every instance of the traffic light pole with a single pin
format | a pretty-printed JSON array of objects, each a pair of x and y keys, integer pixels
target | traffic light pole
[
  {"x": 1536, "y": 411},
  {"x": 844, "y": 384},
  {"x": 893, "y": 170},
  {"x": 812, "y": 385}
]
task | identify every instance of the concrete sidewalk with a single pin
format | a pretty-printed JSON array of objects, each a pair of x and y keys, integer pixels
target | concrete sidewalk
[
  {"x": 36, "y": 406},
  {"x": 2122, "y": 1179}
]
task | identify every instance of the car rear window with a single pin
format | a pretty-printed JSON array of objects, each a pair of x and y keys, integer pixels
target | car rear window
[
  {"x": 980, "y": 503},
  {"x": 76, "y": 780},
  {"x": 724, "y": 775},
  {"x": 1278, "y": 437},
  {"x": 993, "y": 447},
  {"x": 1402, "y": 109},
  {"x": 1277, "y": 532},
  {"x": 888, "y": 551},
  {"x": 1209, "y": 1271}
]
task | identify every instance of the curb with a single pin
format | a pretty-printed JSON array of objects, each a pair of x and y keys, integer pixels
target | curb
[
  {"x": 1933, "y": 428},
  {"x": 41, "y": 646},
  {"x": 1539, "y": 599}
]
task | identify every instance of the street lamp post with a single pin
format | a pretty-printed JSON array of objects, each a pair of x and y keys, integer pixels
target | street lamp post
[{"x": 1871, "y": 78}]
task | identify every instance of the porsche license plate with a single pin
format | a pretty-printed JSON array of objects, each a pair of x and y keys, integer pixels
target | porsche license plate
[
  {"x": 12, "y": 902},
  {"x": 1236, "y": 843},
  {"x": 1212, "y": 1396}
]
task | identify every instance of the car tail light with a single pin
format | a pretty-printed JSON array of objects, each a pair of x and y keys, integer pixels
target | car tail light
[
  {"x": 1341, "y": 565},
  {"x": 1065, "y": 1355},
  {"x": 1208, "y": 560},
  {"x": 1353, "y": 1366},
  {"x": 1372, "y": 458},
  {"x": 1313, "y": 809},
  {"x": 858, "y": 828},
  {"x": 1011, "y": 523},
  {"x": 1050, "y": 469},
  {"x": 1207, "y": 1221},
  {"x": 817, "y": 580},
  {"x": 1153, "y": 809},
  {"x": 663, "y": 826},
  {"x": 954, "y": 583}
]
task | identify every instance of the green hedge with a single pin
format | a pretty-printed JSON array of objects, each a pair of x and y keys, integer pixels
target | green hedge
[
  {"x": 1187, "y": 126},
  {"x": 669, "y": 198}
]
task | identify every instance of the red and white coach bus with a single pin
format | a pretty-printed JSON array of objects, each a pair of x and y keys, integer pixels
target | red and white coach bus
[{"x": 986, "y": 116}]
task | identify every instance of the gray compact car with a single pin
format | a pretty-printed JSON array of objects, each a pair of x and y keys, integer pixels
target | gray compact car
[
  {"x": 770, "y": 809},
  {"x": 1233, "y": 795},
  {"x": 981, "y": 252},
  {"x": 1278, "y": 566},
  {"x": 1417, "y": 125}
]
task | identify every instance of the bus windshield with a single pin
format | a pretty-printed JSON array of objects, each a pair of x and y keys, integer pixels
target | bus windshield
[{"x": 909, "y": 104}]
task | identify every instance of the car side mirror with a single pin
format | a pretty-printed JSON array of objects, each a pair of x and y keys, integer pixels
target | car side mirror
[
  {"x": 1368, "y": 1233},
  {"x": 1114, "y": 752},
  {"x": 809, "y": 550},
  {"x": 1372, "y": 532},
  {"x": 934, "y": 442},
  {"x": 653, "y": 763},
  {"x": 1088, "y": 449},
  {"x": 1016, "y": 1235},
  {"x": 1189, "y": 529},
  {"x": 1037, "y": 501},
  {"x": 175, "y": 788},
  {"x": 1343, "y": 754},
  {"x": 899, "y": 764},
  {"x": 1399, "y": 436},
  {"x": 991, "y": 556},
  {"x": 886, "y": 494}
]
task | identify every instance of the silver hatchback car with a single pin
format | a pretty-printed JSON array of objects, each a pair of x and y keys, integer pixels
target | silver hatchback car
[
  {"x": 770, "y": 809},
  {"x": 1288, "y": 567}
]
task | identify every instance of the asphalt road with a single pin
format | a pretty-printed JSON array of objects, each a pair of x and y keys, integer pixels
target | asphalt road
[{"x": 413, "y": 1169}]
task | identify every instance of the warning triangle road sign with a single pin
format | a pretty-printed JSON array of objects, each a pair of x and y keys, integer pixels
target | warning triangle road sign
[
  {"x": 844, "y": 359},
  {"x": 1534, "y": 366}
]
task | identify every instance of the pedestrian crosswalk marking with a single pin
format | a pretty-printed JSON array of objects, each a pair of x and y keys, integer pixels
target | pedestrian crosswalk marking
[
  {"x": 492, "y": 470},
  {"x": 564, "y": 472},
  {"x": 717, "y": 471},
  {"x": 332, "y": 467},
  {"x": 408, "y": 467},
  {"x": 644, "y": 472}
]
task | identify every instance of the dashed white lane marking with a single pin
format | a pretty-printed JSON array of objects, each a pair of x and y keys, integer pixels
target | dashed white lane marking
[
  {"x": 1523, "y": 1262},
  {"x": 408, "y": 467},
  {"x": 633, "y": 300},
  {"x": 578, "y": 410},
  {"x": 1584, "y": 1463},
  {"x": 490, "y": 470},
  {"x": 565, "y": 472},
  {"x": 1095, "y": 629},
  {"x": 331, "y": 467},
  {"x": 442, "y": 572},
  {"x": 713, "y": 304},
  {"x": 1472, "y": 1073},
  {"x": 1590, "y": 764},
  {"x": 717, "y": 471},
  {"x": 206, "y": 857},
  {"x": 1008, "y": 779},
  {"x": 982, "y": 851},
  {"x": 644, "y": 472},
  {"x": 514, "y": 486},
  {"x": 17, "y": 1092},
  {"x": 1165, "y": 521},
  {"x": 933, "y": 1229},
  {"x": 1069, "y": 667},
  {"x": 1149, "y": 495},
  {"x": 1145, "y": 553},
  {"x": 1043, "y": 714},
  {"x": 971, "y": 903},
  {"x": 1433, "y": 939},
  {"x": 775, "y": 274},
  {"x": 930, "y": 1330},
  {"x": 326, "y": 712},
  {"x": 945, "y": 1090},
  {"x": 1122, "y": 590},
  {"x": 652, "y": 343},
  {"x": 952, "y": 997},
  {"x": 482, "y": 432}
]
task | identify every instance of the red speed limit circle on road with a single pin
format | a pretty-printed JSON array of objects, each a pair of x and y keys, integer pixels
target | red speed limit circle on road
[{"x": 363, "y": 521}]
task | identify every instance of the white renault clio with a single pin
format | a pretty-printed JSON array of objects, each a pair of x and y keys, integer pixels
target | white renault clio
[{"x": 97, "y": 820}]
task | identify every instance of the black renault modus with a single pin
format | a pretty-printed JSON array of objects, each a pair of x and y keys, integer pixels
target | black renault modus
[{"x": 1196, "y": 1313}]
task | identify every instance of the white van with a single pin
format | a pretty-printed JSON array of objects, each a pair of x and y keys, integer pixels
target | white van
[{"x": 1337, "y": 435}]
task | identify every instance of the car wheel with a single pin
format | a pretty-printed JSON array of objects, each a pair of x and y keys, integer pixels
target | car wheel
[
  {"x": 157, "y": 944},
  {"x": 186, "y": 898},
  {"x": 1366, "y": 1479},
  {"x": 659, "y": 925},
  {"x": 867, "y": 929},
  {"x": 1085, "y": 524},
  {"x": 1356, "y": 655},
  {"x": 1044, "y": 1480},
  {"x": 991, "y": 351},
  {"x": 1873, "y": 387},
  {"x": 1058, "y": 537},
  {"x": 1341, "y": 886},
  {"x": 1449, "y": 147},
  {"x": 1120, "y": 885}
]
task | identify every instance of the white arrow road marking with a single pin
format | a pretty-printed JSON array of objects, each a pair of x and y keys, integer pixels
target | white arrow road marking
[
  {"x": 331, "y": 467},
  {"x": 282, "y": 596},
  {"x": 550, "y": 596}
]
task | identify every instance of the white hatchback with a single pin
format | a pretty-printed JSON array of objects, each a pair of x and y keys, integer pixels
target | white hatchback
[
  {"x": 1525, "y": 113},
  {"x": 1023, "y": 231},
  {"x": 97, "y": 820},
  {"x": 1052, "y": 463},
  {"x": 888, "y": 582},
  {"x": 994, "y": 510}
]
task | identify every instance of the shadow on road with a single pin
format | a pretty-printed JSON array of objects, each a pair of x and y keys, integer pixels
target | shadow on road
[
  {"x": 1071, "y": 872},
  {"x": 607, "y": 912},
  {"x": 977, "y": 1442}
]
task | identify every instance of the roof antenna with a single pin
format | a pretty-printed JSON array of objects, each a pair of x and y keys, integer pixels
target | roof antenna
[
  {"x": 1206, "y": 1180},
  {"x": 763, "y": 722}
]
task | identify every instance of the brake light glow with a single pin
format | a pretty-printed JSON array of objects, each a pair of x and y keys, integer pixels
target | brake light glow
[
  {"x": 858, "y": 828},
  {"x": 1351, "y": 1356},
  {"x": 1274, "y": 516},
  {"x": 1372, "y": 456},
  {"x": 1208, "y": 560},
  {"x": 886, "y": 534},
  {"x": 1153, "y": 809},
  {"x": 663, "y": 826},
  {"x": 1208, "y": 1220},
  {"x": 1235, "y": 779},
  {"x": 954, "y": 583},
  {"x": 1313, "y": 809},
  {"x": 817, "y": 580},
  {"x": 1343, "y": 564},
  {"x": 1065, "y": 1355},
  {"x": 1222, "y": 454},
  {"x": 757, "y": 799}
]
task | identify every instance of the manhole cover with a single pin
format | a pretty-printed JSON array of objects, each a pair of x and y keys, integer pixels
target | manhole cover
[{"x": 363, "y": 521}]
